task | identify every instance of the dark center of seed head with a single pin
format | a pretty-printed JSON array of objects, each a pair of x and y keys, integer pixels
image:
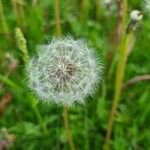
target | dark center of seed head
[{"x": 65, "y": 71}]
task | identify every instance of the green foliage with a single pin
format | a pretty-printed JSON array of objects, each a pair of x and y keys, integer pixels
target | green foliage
[{"x": 40, "y": 126}]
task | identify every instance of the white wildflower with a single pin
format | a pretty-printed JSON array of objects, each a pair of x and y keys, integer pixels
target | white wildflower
[
  {"x": 65, "y": 71},
  {"x": 146, "y": 6},
  {"x": 109, "y": 6}
]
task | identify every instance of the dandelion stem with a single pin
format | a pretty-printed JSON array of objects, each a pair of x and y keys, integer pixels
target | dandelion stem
[
  {"x": 68, "y": 131},
  {"x": 118, "y": 84}
]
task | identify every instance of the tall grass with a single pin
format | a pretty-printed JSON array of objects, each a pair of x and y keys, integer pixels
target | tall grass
[
  {"x": 4, "y": 25},
  {"x": 127, "y": 125}
]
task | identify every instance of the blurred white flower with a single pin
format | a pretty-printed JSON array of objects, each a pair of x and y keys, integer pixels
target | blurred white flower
[
  {"x": 146, "y": 6},
  {"x": 65, "y": 71},
  {"x": 107, "y": 2},
  {"x": 136, "y": 15},
  {"x": 109, "y": 6}
]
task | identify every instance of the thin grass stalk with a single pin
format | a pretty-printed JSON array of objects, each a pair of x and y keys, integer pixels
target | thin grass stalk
[
  {"x": 84, "y": 10},
  {"x": 10, "y": 83},
  {"x": 21, "y": 10},
  {"x": 97, "y": 4},
  {"x": 86, "y": 128},
  {"x": 65, "y": 109},
  {"x": 57, "y": 18},
  {"x": 39, "y": 116},
  {"x": 118, "y": 33},
  {"x": 136, "y": 79},
  {"x": 118, "y": 84},
  {"x": 99, "y": 10},
  {"x": 34, "y": 3},
  {"x": 117, "y": 39},
  {"x": 3, "y": 20},
  {"x": 18, "y": 11},
  {"x": 15, "y": 11}
]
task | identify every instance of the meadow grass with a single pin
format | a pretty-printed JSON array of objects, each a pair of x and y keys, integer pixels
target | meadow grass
[{"x": 115, "y": 117}]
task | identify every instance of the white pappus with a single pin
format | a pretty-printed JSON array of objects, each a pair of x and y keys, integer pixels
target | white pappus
[{"x": 65, "y": 71}]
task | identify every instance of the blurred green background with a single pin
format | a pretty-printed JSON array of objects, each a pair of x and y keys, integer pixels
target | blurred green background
[{"x": 27, "y": 125}]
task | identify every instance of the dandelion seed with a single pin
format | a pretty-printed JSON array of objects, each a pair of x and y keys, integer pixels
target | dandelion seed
[{"x": 65, "y": 71}]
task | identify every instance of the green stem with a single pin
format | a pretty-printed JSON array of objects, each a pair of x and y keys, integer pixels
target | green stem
[
  {"x": 118, "y": 84},
  {"x": 57, "y": 18},
  {"x": 117, "y": 36},
  {"x": 18, "y": 11},
  {"x": 84, "y": 10},
  {"x": 34, "y": 3},
  {"x": 3, "y": 20},
  {"x": 9, "y": 83},
  {"x": 67, "y": 128},
  {"x": 15, "y": 11},
  {"x": 86, "y": 128}
]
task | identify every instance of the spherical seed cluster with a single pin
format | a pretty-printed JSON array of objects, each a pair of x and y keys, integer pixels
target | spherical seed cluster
[{"x": 65, "y": 71}]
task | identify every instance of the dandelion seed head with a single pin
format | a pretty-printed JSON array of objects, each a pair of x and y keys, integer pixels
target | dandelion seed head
[
  {"x": 65, "y": 71},
  {"x": 136, "y": 15}
]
